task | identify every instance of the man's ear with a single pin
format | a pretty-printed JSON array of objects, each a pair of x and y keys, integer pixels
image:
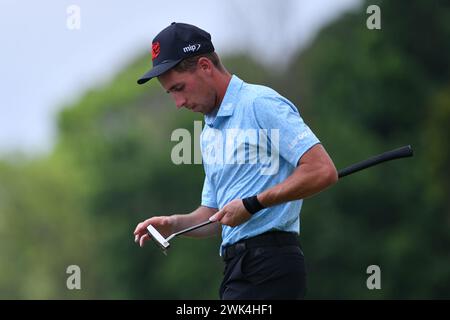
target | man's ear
[{"x": 205, "y": 64}]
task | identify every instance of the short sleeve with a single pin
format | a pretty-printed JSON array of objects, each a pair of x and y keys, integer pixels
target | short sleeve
[
  {"x": 295, "y": 137},
  {"x": 208, "y": 195}
]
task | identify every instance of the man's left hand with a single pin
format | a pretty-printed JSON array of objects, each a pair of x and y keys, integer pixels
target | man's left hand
[{"x": 232, "y": 214}]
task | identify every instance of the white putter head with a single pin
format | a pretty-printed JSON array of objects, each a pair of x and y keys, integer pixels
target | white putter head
[{"x": 163, "y": 243}]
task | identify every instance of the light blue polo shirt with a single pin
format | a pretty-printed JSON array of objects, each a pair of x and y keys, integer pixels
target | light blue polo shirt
[{"x": 252, "y": 142}]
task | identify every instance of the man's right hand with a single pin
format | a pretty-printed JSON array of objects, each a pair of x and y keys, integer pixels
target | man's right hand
[{"x": 164, "y": 225}]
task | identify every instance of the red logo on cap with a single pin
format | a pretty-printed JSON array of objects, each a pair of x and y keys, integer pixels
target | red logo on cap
[{"x": 155, "y": 50}]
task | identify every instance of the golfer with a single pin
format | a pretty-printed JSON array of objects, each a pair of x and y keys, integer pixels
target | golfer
[{"x": 260, "y": 161}]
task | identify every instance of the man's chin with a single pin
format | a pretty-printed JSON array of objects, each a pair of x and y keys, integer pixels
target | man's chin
[{"x": 197, "y": 109}]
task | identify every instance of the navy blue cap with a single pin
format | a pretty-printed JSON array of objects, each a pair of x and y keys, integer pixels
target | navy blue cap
[{"x": 175, "y": 43}]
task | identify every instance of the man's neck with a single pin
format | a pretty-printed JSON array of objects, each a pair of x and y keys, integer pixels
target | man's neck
[{"x": 222, "y": 85}]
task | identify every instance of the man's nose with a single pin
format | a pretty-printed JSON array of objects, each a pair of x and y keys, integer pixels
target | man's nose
[{"x": 180, "y": 101}]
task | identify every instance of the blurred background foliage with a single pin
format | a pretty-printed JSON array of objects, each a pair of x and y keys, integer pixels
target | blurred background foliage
[{"x": 362, "y": 92}]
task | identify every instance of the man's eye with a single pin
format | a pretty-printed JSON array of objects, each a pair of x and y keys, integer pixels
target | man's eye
[{"x": 176, "y": 88}]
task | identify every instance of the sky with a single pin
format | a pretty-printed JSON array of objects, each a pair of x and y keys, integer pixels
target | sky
[{"x": 46, "y": 64}]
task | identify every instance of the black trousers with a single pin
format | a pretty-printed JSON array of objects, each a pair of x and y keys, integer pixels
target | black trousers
[{"x": 270, "y": 266}]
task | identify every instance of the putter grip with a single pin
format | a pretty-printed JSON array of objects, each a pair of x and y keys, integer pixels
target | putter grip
[{"x": 402, "y": 152}]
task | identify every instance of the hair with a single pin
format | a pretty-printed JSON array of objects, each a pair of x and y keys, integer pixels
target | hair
[{"x": 190, "y": 64}]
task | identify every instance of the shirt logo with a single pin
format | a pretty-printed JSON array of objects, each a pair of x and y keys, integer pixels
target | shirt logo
[
  {"x": 192, "y": 48},
  {"x": 155, "y": 50},
  {"x": 299, "y": 138}
]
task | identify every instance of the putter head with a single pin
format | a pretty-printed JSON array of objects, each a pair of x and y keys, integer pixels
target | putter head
[{"x": 162, "y": 243}]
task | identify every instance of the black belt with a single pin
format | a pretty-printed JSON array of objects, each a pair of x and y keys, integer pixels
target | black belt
[{"x": 271, "y": 238}]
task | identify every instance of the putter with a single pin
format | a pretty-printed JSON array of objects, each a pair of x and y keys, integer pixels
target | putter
[
  {"x": 163, "y": 243},
  {"x": 398, "y": 153}
]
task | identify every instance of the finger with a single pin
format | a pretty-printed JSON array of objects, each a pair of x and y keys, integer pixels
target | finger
[
  {"x": 143, "y": 226},
  {"x": 217, "y": 216},
  {"x": 226, "y": 221},
  {"x": 137, "y": 238},
  {"x": 138, "y": 228},
  {"x": 144, "y": 238}
]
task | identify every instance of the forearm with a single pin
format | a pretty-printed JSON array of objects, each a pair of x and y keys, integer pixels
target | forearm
[
  {"x": 300, "y": 185},
  {"x": 314, "y": 173},
  {"x": 201, "y": 214}
]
